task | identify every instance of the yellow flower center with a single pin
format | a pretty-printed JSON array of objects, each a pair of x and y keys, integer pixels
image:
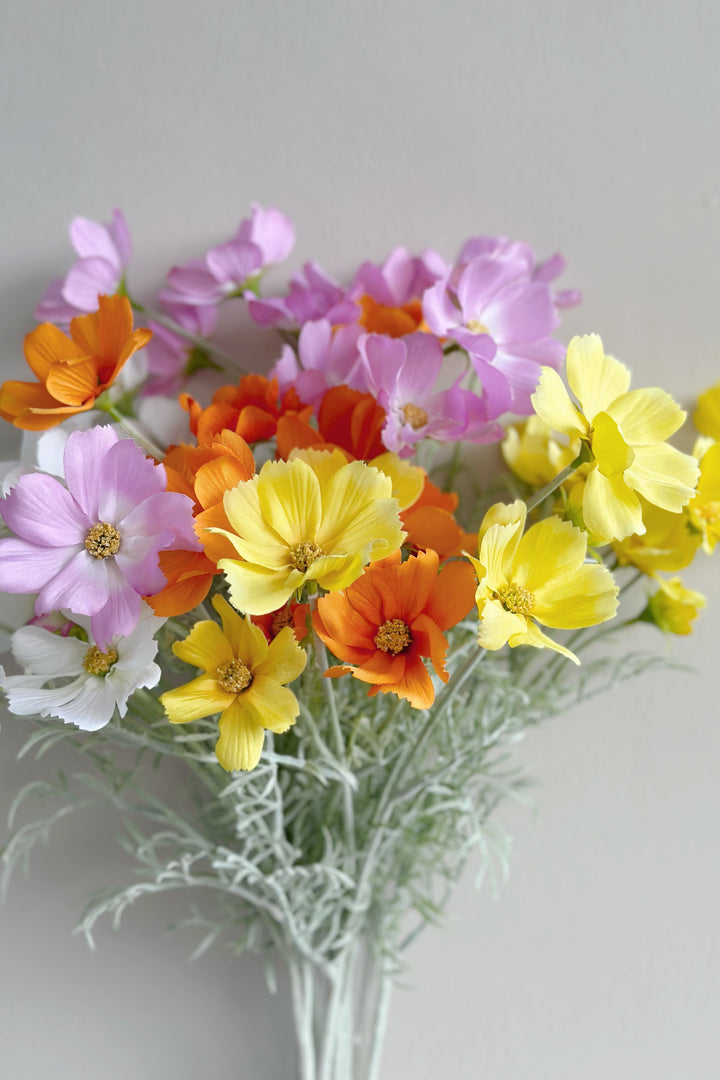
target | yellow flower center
[
  {"x": 393, "y": 636},
  {"x": 233, "y": 676},
  {"x": 477, "y": 327},
  {"x": 414, "y": 416},
  {"x": 103, "y": 540},
  {"x": 516, "y": 598},
  {"x": 98, "y": 662},
  {"x": 304, "y": 554},
  {"x": 709, "y": 513}
]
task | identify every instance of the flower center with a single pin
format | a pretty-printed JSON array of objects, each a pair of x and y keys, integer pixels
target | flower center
[
  {"x": 98, "y": 662},
  {"x": 709, "y": 513},
  {"x": 477, "y": 327},
  {"x": 304, "y": 554},
  {"x": 233, "y": 676},
  {"x": 393, "y": 636},
  {"x": 414, "y": 416},
  {"x": 516, "y": 598},
  {"x": 103, "y": 540},
  {"x": 280, "y": 620}
]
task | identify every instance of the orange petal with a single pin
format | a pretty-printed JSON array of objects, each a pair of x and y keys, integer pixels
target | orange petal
[
  {"x": 74, "y": 384},
  {"x": 453, "y": 595},
  {"x": 46, "y": 346}
]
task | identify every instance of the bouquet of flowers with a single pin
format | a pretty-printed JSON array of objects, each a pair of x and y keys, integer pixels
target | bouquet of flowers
[{"x": 297, "y": 590}]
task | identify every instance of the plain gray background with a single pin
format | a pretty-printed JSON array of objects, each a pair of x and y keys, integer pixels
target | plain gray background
[{"x": 589, "y": 127}]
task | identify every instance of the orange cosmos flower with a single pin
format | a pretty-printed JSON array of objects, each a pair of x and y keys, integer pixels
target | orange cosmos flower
[
  {"x": 73, "y": 371},
  {"x": 347, "y": 419},
  {"x": 429, "y": 523},
  {"x": 393, "y": 321},
  {"x": 250, "y": 409},
  {"x": 388, "y": 620}
]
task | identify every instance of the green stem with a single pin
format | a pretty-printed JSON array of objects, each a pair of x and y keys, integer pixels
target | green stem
[
  {"x": 132, "y": 429},
  {"x": 583, "y": 457},
  {"x": 195, "y": 339}
]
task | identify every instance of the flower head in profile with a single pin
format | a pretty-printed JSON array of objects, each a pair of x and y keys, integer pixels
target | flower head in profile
[
  {"x": 93, "y": 546},
  {"x": 673, "y": 607},
  {"x": 103, "y": 255},
  {"x": 536, "y": 578},
  {"x": 243, "y": 678},
  {"x": 626, "y": 431},
  {"x": 69, "y": 676},
  {"x": 707, "y": 415},
  {"x": 316, "y": 519},
  {"x": 391, "y": 618},
  {"x": 72, "y": 372}
]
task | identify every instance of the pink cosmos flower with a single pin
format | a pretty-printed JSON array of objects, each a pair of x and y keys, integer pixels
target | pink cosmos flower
[
  {"x": 504, "y": 318},
  {"x": 401, "y": 278},
  {"x": 93, "y": 547},
  {"x": 103, "y": 255},
  {"x": 169, "y": 354},
  {"x": 313, "y": 295},
  {"x": 324, "y": 358},
  {"x": 401, "y": 373},
  {"x": 265, "y": 238}
]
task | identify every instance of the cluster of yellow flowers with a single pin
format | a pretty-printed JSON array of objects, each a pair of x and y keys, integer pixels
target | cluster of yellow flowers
[{"x": 321, "y": 527}]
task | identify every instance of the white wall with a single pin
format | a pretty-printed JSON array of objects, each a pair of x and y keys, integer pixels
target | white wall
[{"x": 590, "y": 127}]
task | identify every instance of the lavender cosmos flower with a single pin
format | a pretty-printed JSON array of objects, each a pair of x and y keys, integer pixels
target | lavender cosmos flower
[
  {"x": 92, "y": 547},
  {"x": 324, "y": 358},
  {"x": 401, "y": 373},
  {"x": 170, "y": 355},
  {"x": 504, "y": 318},
  {"x": 103, "y": 255},
  {"x": 498, "y": 247},
  {"x": 313, "y": 295},
  {"x": 265, "y": 238},
  {"x": 401, "y": 278}
]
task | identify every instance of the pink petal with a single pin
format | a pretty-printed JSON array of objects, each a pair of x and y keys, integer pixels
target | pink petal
[
  {"x": 91, "y": 239},
  {"x": 121, "y": 613},
  {"x": 233, "y": 263},
  {"x": 120, "y": 236},
  {"x": 81, "y": 586},
  {"x": 52, "y": 308},
  {"x": 41, "y": 511},
  {"x": 25, "y": 568},
  {"x": 88, "y": 279},
  {"x": 168, "y": 510},
  {"x": 83, "y": 466},
  {"x": 128, "y": 478},
  {"x": 139, "y": 564}
]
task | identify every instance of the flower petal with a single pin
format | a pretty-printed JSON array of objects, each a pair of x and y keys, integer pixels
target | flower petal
[
  {"x": 647, "y": 416},
  {"x": 611, "y": 510},
  {"x": 196, "y": 699},
  {"x": 664, "y": 476},
  {"x": 205, "y": 647},
  {"x": 552, "y": 404},
  {"x": 40, "y": 510},
  {"x": 274, "y": 705},
  {"x": 595, "y": 379},
  {"x": 285, "y": 660},
  {"x": 241, "y": 739}
]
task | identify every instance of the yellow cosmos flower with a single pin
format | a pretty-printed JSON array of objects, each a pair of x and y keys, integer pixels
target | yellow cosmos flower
[
  {"x": 668, "y": 543},
  {"x": 534, "y": 455},
  {"x": 243, "y": 679},
  {"x": 408, "y": 480},
  {"x": 315, "y": 518},
  {"x": 626, "y": 431},
  {"x": 707, "y": 414},
  {"x": 539, "y": 576},
  {"x": 704, "y": 507},
  {"x": 673, "y": 607}
]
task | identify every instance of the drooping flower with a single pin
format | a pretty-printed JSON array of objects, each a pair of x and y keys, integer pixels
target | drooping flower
[
  {"x": 672, "y": 607},
  {"x": 92, "y": 547},
  {"x": 314, "y": 519},
  {"x": 626, "y": 431},
  {"x": 72, "y": 372},
  {"x": 72, "y": 678},
  {"x": 265, "y": 238},
  {"x": 103, "y": 255},
  {"x": 402, "y": 374},
  {"x": 243, "y": 679},
  {"x": 537, "y": 578},
  {"x": 391, "y": 618}
]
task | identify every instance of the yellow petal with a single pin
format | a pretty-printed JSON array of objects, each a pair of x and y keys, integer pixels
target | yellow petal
[
  {"x": 247, "y": 641},
  {"x": 241, "y": 739},
  {"x": 290, "y": 502},
  {"x": 548, "y": 555},
  {"x": 201, "y": 697},
  {"x": 612, "y": 453},
  {"x": 324, "y": 463},
  {"x": 538, "y": 640},
  {"x": 205, "y": 647},
  {"x": 664, "y": 476},
  {"x": 407, "y": 480},
  {"x": 497, "y": 625},
  {"x": 285, "y": 659},
  {"x": 255, "y": 589},
  {"x": 253, "y": 538},
  {"x": 647, "y": 416},
  {"x": 552, "y": 404},
  {"x": 497, "y": 551},
  {"x": 707, "y": 415},
  {"x": 587, "y": 598},
  {"x": 360, "y": 517},
  {"x": 514, "y": 513},
  {"x": 595, "y": 379},
  {"x": 610, "y": 509},
  {"x": 274, "y": 705}
]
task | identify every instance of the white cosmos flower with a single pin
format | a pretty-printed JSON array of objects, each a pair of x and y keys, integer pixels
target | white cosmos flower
[{"x": 76, "y": 682}]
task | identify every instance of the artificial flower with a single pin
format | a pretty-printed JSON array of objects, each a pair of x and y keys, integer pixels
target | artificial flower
[
  {"x": 430, "y": 523},
  {"x": 626, "y": 431},
  {"x": 243, "y": 679},
  {"x": 312, "y": 295},
  {"x": 251, "y": 409},
  {"x": 704, "y": 507},
  {"x": 673, "y": 607},
  {"x": 536, "y": 577},
  {"x": 92, "y": 547},
  {"x": 314, "y": 520},
  {"x": 103, "y": 255},
  {"x": 533, "y": 454},
  {"x": 72, "y": 372},
  {"x": 325, "y": 356},
  {"x": 669, "y": 542},
  {"x": 68, "y": 675},
  {"x": 707, "y": 414},
  {"x": 391, "y": 618}
]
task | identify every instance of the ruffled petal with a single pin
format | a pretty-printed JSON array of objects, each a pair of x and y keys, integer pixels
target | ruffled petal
[
  {"x": 595, "y": 379},
  {"x": 552, "y": 404},
  {"x": 196, "y": 699},
  {"x": 241, "y": 739},
  {"x": 274, "y": 705},
  {"x": 611, "y": 510},
  {"x": 205, "y": 647}
]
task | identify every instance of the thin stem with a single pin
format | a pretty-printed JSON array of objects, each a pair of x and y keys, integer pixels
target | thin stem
[
  {"x": 194, "y": 339},
  {"x": 561, "y": 477}
]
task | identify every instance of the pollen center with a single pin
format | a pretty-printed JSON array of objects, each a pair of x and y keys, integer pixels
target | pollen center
[
  {"x": 516, "y": 598},
  {"x": 233, "y": 676},
  {"x": 98, "y": 662},
  {"x": 414, "y": 416},
  {"x": 304, "y": 554},
  {"x": 393, "y": 636},
  {"x": 103, "y": 540},
  {"x": 477, "y": 327}
]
